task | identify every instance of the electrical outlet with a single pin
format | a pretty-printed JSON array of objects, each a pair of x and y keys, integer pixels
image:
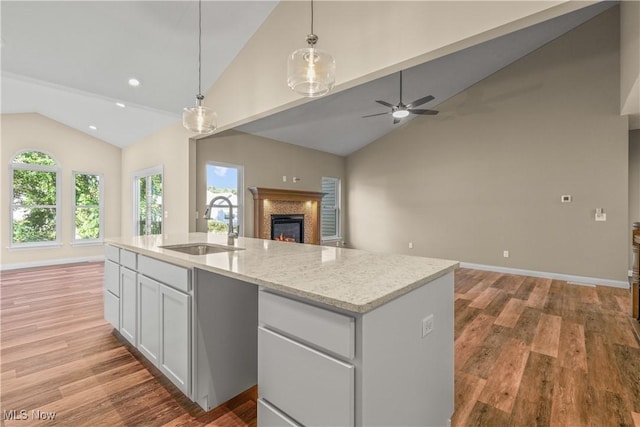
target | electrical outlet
[
  {"x": 505, "y": 254},
  {"x": 427, "y": 325},
  {"x": 410, "y": 245},
  {"x": 284, "y": 178}
]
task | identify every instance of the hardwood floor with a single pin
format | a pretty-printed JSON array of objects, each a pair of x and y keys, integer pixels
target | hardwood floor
[
  {"x": 58, "y": 355},
  {"x": 532, "y": 351},
  {"x": 528, "y": 351}
]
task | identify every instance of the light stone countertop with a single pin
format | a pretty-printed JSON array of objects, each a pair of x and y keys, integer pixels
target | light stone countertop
[{"x": 354, "y": 280}]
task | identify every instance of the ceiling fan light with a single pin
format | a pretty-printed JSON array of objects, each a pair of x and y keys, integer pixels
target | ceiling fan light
[
  {"x": 311, "y": 72},
  {"x": 398, "y": 114},
  {"x": 199, "y": 119}
]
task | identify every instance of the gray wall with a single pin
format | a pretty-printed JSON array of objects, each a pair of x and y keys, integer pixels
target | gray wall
[
  {"x": 486, "y": 175},
  {"x": 265, "y": 161}
]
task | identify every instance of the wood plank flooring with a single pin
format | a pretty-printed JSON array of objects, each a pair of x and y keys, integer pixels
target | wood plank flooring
[
  {"x": 542, "y": 352},
  {"x": 528, "y": 351},
  {"x": 58, "y": 355}
]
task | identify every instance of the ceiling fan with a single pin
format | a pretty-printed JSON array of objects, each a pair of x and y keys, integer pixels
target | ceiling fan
[{"x": 401, "y": 110}]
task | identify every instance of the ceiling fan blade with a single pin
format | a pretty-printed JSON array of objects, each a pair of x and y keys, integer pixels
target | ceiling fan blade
[
  {"x": 373, "y": 115},
  {"x": 424, "y": 112},
  {"x": 386, "y": 104},
  {"x": 419, "y": 102},
  {"x": 396, "y": 120}
]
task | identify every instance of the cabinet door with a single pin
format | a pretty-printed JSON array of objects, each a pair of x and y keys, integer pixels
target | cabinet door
[
  {"x": 149, "y": 318},
  {"x": 128, "y": 305},
  {"x": 175, "y": 337},
  {"x": 112, "y": 277},
  {"x": 111, "y": 306}
]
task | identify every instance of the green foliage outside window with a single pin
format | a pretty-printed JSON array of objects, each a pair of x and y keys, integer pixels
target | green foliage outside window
[
  {"x": 34, "y": 199},
  {"x": 87, "y": 211},
  {"x": 154, "y": 202}
]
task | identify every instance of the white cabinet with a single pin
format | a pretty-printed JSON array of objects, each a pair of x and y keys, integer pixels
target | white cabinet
[
  {"x": 175, "y": 337},
  {"x": 272, "y": 417},
  {"x": 112, "y": 309},
  {"x": 111, "y": 288},
  {"x": 149, "y": 318},
  {"x": 304, "y": 368},
  {"x": 149, "y": 302},
  {"x": 128, "y": 305},
  {"x": 307, "y": 385},
  {"x": 164, "y": 319}
]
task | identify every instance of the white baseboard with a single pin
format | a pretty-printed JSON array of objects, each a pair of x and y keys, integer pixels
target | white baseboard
[
  {"x": 46, "y": 263},
  {"x": 582, "y": 280}
]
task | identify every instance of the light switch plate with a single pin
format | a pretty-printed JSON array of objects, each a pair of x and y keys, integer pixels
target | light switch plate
[{"x": 601, "y": 217}]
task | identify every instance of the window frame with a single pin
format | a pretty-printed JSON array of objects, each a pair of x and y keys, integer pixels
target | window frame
[
  {"x": 13, "y": 166},
  {"x": 337, "y": 207},
  {"x": 135, "y": 194},
  {"x": 241, "y": 202},
  {"x": 100, "y": 239}
]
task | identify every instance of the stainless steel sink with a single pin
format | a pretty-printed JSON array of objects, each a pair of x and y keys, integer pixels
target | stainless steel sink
[{"x": 201, "y": 248}]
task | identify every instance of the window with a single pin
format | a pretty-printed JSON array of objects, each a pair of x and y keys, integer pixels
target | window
[
  {"x": 34, "y": 199},
  {"x": 330, "y": 212},
  {"x": 224, "y": 179},
  {"x": 147, "y": 202},
  {"x": 87, "y": 197}
]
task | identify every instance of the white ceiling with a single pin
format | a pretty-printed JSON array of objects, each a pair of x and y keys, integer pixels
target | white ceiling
[{"x": 71, "y": 60}]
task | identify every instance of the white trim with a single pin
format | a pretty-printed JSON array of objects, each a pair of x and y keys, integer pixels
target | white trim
[
  {"x": 337, "y": 184},
  {"x": 240, "y": 190},
  {"x": 144, "y": 173},
  {"x": 582, "y": 280},
  {"x": 57, "y": 169},
  {"x": 46, "y": 263}
]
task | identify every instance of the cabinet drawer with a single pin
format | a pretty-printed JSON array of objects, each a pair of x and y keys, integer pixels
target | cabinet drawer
[
  {"x": 268, "y": 416},
  {"x": 112, "y": 277},
  {"x": 172, "y": 275},
  {"x": 312, "y": 388},
  {"x": 112, "y": 309},
  {"x": 331, "y": 331},
  {"x": 112, "y": 253},
  {"x": 128, "y": 259}
]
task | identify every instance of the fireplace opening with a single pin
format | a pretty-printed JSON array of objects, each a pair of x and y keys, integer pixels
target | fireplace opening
[{"x": 287, "y": 228}]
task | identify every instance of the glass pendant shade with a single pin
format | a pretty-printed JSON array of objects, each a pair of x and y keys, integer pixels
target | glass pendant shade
[
  {"x": 199, "y": 119},
  {"x": 311, "y": 72}
]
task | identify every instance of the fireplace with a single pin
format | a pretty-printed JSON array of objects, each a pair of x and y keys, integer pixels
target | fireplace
[{"x": 287, "y": 228}]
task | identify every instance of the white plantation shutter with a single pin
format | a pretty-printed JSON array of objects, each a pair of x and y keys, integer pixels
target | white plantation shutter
[{"x": 330, "y": 214}]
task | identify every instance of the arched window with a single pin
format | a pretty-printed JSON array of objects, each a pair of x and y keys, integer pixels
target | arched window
[{"x": 34, "y": 200}]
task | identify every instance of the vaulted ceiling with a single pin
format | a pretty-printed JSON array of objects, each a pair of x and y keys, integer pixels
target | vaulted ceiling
[{"x": 71, "y": 61}]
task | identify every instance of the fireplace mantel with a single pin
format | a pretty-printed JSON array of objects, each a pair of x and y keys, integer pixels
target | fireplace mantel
[{"x": 276, "y": 200}]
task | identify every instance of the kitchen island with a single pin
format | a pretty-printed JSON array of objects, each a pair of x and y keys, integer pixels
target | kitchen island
[{"x": 332, "y": 336}]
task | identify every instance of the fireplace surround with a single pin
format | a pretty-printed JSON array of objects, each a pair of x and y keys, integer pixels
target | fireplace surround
[{"x": 270, "y": 201}]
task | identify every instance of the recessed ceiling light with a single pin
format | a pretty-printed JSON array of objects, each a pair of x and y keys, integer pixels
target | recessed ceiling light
[
  {"x": 120, "y": 104},
  {"x": 134, "y": 82},
  {"x": 92, "y": 127}
]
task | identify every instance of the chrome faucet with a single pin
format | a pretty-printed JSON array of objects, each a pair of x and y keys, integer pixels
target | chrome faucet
[{"x": 207, "y": 215}]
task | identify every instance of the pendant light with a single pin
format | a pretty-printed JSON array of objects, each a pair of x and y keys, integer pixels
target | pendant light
[
  {"x": 199, "y": 119},
  {"x": 311, "y": 72}
]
